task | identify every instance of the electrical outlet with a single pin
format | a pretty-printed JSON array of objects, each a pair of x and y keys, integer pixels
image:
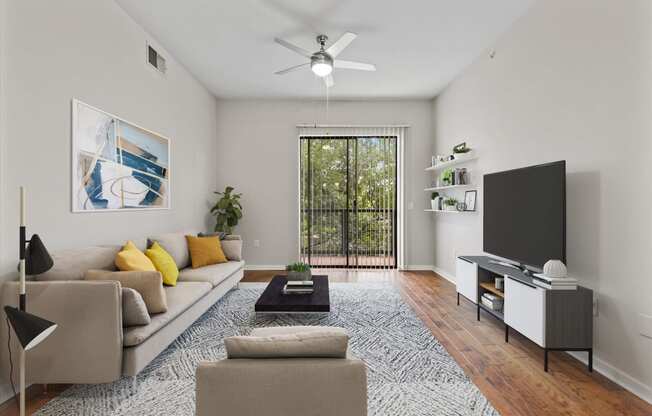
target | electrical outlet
[
  {"x": 256, "y": 243},
  {"x": 410, "y": 205},
  {"x": 595, "y": 306},
  {"x": 645, "y": 325}
]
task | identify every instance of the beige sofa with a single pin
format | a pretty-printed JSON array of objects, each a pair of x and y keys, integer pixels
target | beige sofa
[
  {"x": 90, "y": 344},
  {"x": 302, "y": 385}
]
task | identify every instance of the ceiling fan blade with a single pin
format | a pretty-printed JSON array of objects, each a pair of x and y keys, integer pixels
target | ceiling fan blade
[
  {"x": 292, "y": 47},
  {"x": 353, "y": 65},
  {"x": 329, "y": 81},
  {"x": 340, "y": 44},
  {"x": 292, "y": 69}
]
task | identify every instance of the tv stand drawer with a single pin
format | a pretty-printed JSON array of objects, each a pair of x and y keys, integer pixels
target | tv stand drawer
[
  {"x": 466, "y": 279},
  {"x": 525, "y": 310}
]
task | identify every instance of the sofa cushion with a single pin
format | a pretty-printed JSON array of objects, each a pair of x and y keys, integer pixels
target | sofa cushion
[
  {"x": 131, "y": 259},
  {"x": 213, "y": 274},
  {"x": 175, "y": 244},
  {"x": 149, "y": 284},
  {"x": 72, "y": 264},
  {"x": 320, "y": 342},
  {"x": 232, "y": 249},
  {"x": 164, "y": 263},
  {"x": 180, "y": 297},
  {"x": 205, "y": 251},
  {"x": 134, "y": 310}
]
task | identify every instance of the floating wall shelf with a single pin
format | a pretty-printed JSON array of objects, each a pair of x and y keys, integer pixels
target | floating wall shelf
[
  {"x": 443, "y": 188},
  {"x": 458, "y": 160},
  {"x": 443, "y": 211}
]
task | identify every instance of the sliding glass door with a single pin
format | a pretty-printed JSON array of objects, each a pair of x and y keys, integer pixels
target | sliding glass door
[{"x": 348, "y": 201}]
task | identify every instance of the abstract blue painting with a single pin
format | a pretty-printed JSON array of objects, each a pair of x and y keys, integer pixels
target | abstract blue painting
[{"x": 116, "y": 164}]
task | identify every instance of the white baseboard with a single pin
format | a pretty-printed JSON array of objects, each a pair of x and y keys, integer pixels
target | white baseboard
[
  {"x": 443, "y": 273},
  {"x": 617, "y": 376},
  {"x": 417, "y": 267},
  {"x": 265, "y": 266}
]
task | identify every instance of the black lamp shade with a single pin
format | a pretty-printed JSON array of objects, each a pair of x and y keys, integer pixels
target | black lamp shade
[
  {"x": 30, "y": 329},
  {"x": 37, "y": 258}
]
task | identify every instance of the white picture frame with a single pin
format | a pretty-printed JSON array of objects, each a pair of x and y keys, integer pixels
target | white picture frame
[
  {"x": 117, "y": 165},
  {"x": 470, "y": 198}
]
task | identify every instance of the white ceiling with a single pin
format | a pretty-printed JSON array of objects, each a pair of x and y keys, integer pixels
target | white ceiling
[{"x": 418, "y": 46}]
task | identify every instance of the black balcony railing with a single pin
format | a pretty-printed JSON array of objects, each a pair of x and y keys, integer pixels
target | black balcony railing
[{"x": 363, "y": 237}]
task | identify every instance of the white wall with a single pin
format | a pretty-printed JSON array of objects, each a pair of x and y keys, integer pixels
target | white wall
[
  {"x": 258, "y": 156},
  {"x": 93, "y": 51},
  {"x": 573, "y": 81}
]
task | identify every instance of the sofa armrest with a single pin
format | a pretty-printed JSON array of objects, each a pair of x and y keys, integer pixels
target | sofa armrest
[
  {"x": 281, "y": 387},
  {"x": 86, "y": 347}
]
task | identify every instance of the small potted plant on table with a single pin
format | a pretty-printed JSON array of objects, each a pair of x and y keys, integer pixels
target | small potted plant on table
[{"x": 299, "y": 271}]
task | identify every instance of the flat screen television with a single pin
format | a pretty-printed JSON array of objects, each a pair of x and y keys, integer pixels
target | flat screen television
[{"x": 525, "y": 214}]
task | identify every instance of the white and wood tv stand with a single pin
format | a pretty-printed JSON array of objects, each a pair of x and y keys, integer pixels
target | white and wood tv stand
[{"x": 556, "y": 320}]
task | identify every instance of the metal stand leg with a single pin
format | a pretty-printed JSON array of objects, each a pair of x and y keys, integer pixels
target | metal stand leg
[
  {"x": 591, "y": 359},
  {"x": 545, "y": 360},
  {"x": 506, "y": 333},
  {"x": 478, "y": 312},
  {"x": 458, "y": 299},
  {"x": 22, "y": 382}
]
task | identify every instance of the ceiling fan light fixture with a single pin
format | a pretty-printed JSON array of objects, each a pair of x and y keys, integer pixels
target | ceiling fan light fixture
[
  {"x": 321, "y": 64},
  {"x": 322, "y": 70}
]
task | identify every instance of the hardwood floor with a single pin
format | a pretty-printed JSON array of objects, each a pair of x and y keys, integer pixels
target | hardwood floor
[{"x": 510, "y": 374}]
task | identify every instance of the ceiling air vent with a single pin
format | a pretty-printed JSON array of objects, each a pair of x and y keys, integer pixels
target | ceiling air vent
[{"x": 155, "y": 59}]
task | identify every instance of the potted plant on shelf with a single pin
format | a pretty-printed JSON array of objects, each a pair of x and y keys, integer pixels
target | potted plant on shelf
[
  {"x": 299, "y": 271},
  {"x": 227, "y": 210},
  {"x": 461, "y": 149},
  {"x": 447, "y": 177},
  {"x": 451, "y": 204},
  {"x": 434, "y": 201}
]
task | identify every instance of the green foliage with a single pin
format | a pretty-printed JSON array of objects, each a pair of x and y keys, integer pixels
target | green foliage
[
  {"x": 227, "y": 210},
  {"x": 434, "y": 195},
  {"x": 447, "y": 176},
  {"x": 450, "y": 201},
  {"x": 298, "y": 267}
]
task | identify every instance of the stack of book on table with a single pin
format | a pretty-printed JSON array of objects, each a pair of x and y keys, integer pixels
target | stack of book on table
[
  {"x": 491, "y": 301},
  {"x": 298, "y": 287},
  {"x": 554, "y": 283}
]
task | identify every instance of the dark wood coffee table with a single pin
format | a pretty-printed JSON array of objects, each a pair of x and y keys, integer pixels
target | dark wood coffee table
[{"x": 273, "y": 300}]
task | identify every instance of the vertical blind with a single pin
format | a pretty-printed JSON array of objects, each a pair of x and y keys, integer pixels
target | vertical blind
[{"x": 350, "y": 194}]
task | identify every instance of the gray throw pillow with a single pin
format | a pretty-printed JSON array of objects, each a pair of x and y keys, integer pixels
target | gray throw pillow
[
  {"x": 232, "y": 249},
  {"x": 134, "y": 311}
]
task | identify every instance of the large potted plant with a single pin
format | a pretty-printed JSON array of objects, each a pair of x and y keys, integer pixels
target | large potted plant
[
  {"x": 227, "y": 210},
  {"x": 299, "y": 271}
]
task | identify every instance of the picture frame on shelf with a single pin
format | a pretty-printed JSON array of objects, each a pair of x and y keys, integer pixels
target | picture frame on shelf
[{"x": 470, "y": 199}]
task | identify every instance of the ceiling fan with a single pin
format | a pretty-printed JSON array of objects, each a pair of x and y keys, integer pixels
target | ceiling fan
[{"x": 323, "y": 61}]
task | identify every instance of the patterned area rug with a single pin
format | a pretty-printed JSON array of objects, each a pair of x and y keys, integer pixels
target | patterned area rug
[{"x": 409, "y": 371}]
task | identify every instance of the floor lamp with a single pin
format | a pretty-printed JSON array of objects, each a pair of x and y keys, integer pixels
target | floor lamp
[{"x": 30, "y": 329}]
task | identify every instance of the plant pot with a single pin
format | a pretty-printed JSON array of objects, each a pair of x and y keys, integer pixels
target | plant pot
[
  {"x": 299, "y": 275},
  {"x": 451, "y": 208},
  {"x": 434, "y": 204}
]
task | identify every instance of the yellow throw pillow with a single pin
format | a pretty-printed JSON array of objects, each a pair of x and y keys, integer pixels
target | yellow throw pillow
[
  {"x": 205, "y": 251},
  {"x": 130, "y": 259},
  {"x": 164, "y": 263}
]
